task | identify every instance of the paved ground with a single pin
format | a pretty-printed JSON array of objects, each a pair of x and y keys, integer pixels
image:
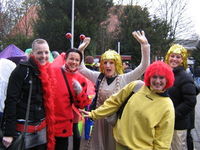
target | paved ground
[{"x": 196, "y": 131}]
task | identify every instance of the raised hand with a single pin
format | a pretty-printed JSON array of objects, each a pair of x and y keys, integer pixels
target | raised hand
[
  {"x": 140, "y": 37},
  {"x": 84, "y": 44}
]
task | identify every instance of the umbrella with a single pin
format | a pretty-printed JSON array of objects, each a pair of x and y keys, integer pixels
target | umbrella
[{"x": 13, "y": 53}]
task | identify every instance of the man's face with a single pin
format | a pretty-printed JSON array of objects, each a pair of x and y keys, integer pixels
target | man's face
[{"x": 41, "y": 53}]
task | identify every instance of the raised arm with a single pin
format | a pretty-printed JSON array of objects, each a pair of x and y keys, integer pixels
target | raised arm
[
  {"x": 90, "y": 74},
  {"x": 84, "y": 44},
  {"x": 113, "y": 103},
  {"x": 145, "y": 60},
  {"x": 140, "y": 37}
]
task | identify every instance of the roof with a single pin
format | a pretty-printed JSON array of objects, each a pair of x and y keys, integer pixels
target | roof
[{"x": 188, "y": 44}]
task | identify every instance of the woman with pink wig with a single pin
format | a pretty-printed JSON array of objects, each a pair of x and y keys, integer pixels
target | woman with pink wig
[{"x": 147, "y": 120}]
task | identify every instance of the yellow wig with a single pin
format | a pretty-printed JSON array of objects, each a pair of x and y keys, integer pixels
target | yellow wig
[
  {"x": 112, "y": 55},
  {"x": 178, "y": 49}
]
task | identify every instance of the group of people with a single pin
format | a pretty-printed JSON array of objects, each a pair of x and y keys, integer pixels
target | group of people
[
  {"x": 144, "y": 124},
  {"x": 159, "y": 115},
  {"x": 52, "y": 107}
]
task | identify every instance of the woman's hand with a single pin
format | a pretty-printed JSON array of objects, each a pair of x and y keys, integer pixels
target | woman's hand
[
  {"x": 7, "y": 141},
  {"x": 85, "y": 113},
  {"x": 140, "y": 37},
  {"x": 77, "y": 87},
  {"x": 83, "y": 45}
]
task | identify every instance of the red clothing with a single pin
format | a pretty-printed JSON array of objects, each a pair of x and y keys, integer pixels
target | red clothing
[
  {"x": 46, "y": 75},
  {"x": 63, "y": 108}
]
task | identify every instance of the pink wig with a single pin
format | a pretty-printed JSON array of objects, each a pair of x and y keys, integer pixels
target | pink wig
[{"x": 162, "y": 69}]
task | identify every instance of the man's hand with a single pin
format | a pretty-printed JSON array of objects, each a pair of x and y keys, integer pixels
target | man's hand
[
  {"x": 140, "y": 37},
  {"x": 7, "y": 141},
  {"x": 83, "y": 45}
]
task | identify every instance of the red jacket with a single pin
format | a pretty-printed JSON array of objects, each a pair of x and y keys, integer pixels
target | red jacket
[{"x": 63, "y": 108}]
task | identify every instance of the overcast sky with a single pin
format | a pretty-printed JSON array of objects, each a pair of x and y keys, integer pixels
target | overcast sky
[{"x": 194, "y": 8}]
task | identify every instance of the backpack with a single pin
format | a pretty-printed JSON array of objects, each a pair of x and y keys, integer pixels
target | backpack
[{"x": 94, "y": 101}]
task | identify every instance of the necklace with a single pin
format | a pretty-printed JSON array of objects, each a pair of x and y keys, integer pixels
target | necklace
[{"x": 105, "y": 93}]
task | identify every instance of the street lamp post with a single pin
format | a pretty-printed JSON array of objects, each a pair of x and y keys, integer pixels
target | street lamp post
[
  {"x": 118, "y": 47},
  {"x": 72, "y": 25}
]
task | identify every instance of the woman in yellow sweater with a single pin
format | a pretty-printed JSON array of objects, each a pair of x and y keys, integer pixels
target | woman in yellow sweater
[{"x": 147, "y": 120}]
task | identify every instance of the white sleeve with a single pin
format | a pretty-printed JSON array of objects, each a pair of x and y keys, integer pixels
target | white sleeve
[
  {"x": 139, "y": 70},
  {"x": 90, "y": 74}
]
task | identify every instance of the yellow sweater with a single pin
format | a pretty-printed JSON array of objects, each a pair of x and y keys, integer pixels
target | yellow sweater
[{"x": 147, "y": 122}]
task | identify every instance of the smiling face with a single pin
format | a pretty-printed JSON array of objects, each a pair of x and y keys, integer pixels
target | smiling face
[
  {"x": 73, "y": 61},
  {"x": 109, "y": 67},
  {"x": 158, "y": 83},
  {"x": 175, "y": 60},
  {"x": 41, "y": 53}
]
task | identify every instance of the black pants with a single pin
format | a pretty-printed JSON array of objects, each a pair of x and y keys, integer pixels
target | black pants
[
  {"x": 61, "y": 143},
  {"x": 39, "y": 147},
  {"x": 189, "y": 140},
  {"x": 76, "y": 137}
]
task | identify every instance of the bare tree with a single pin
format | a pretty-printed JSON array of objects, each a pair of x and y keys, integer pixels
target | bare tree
[
  {"x": 24, "y": 26},
  {"x": 9, "y": 15},
  {"x": 173, "y": 12},
  {"x": 146, "y": 3},
  {"x": 2, "y": 21},
  {"x": 17, "y": 18}
]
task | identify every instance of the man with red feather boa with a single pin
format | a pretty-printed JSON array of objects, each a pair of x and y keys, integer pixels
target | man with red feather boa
[{"x": 40, "y": 130}]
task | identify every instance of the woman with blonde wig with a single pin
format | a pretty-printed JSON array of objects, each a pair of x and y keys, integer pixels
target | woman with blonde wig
[
  {"x": 112, "y": 82},
  {"x": 183, "y": 95}
]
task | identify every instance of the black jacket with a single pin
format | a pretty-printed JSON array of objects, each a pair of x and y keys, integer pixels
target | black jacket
[
  {"x": 17, "y": 96},
  {"x": 183, "y": 95}
]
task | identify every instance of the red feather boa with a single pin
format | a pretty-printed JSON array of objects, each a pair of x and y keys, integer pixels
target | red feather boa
[{"x": 48, "y": 81}]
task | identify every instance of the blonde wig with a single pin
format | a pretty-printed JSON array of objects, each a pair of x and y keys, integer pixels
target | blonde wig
[
  {"x": 178, "y": 49},
  {"x": 112, "y": 55}
]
